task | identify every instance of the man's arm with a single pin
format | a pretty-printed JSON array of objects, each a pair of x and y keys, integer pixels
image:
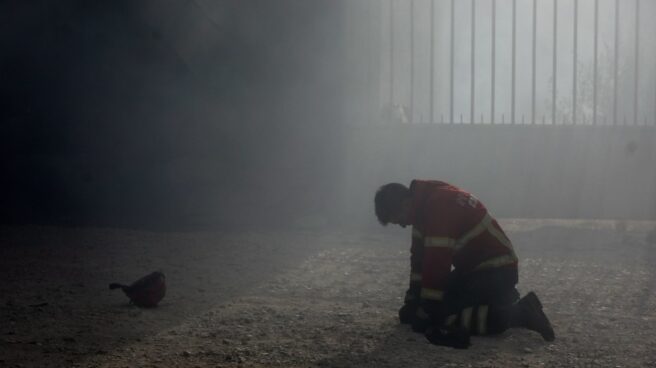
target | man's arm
[
  {"x": 416, "y": 257},
  {"x": 436, "y": 266},
  {"x": 440, "y": 233},
  {"x": 408, "y": 312}
]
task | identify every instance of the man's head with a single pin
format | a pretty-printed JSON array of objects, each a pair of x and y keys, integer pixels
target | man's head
[{"x": 393, "y": 204}]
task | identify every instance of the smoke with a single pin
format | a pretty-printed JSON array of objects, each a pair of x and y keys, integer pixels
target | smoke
[
  {"x": 631, "y": 20},
  {"x": 520, "y": 171},
  {"x": 227, "y": 113},
  {"x": 168, "y": 113}
]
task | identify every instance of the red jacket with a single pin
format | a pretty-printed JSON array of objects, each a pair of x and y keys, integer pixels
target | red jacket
[{"x": 451, "y": 228}]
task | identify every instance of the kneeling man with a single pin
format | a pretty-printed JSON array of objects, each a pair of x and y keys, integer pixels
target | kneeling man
[{"x": 463, "y": 266}]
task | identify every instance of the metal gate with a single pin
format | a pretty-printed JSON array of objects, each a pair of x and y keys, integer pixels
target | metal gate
[{"x": 583, "y": 62}]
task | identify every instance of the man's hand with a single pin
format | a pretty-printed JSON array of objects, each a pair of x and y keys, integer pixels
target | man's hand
[
  {"x": 429, "y": 313},
  {"x": 421, "y": 321}
]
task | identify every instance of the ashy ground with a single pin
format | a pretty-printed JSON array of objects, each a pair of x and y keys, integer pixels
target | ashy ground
[{"x": 309, "y": 299}]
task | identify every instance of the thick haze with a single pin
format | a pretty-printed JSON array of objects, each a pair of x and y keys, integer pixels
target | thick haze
[
  {"x": 552, "y": 170},
  {"x": 207, "y": 113},
  {"x": 169, "y": 112}
]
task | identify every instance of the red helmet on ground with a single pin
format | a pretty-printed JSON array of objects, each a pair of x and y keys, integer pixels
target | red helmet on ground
[{"x": 147, "y": 292}]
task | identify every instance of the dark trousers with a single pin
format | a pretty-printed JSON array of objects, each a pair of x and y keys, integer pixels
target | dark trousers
[{"x": 494, "y": 289}]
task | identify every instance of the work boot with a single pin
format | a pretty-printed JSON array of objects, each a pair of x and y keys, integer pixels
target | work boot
[
  {"x": 533, "y": 317},
  {"x": 451, "y": 336}
]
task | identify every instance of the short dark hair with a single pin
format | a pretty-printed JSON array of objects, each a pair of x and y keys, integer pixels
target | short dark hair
[{"x": 389, "y": 201}]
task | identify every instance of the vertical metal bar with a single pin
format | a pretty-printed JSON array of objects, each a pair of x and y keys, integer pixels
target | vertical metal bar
[
  {"x": 391, "y": 55},
  {"x": 494, "y": 47},
  {"x": 373, "y": 33},
  {"x": 637, "y": 64},
  {"x": 555, "y": 64},
  {"x": 512, "y": 87},
  {"x": 473, "y": 61},
  {"x": 616, "y": 59},
  {"x": 595, "y": 63},
  {"x": 575, "y": 60},
  {"x": 535, "y": 22},
  {"x": 453, "y": 6},
  {"x": 432, "y": 61},
  {"x": 412, "y": 61}
]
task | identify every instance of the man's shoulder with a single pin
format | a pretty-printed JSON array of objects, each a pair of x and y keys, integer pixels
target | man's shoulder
[{"x": 432, "y": 197}]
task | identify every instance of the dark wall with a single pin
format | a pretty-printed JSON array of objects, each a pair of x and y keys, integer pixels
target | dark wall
[{"x": 168, "y": 113}]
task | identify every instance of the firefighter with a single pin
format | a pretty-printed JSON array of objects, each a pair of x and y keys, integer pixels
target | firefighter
[{"x": 463, "y": 266}]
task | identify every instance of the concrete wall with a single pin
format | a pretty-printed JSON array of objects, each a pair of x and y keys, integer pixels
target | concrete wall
[{"x": 518, "y": 171}]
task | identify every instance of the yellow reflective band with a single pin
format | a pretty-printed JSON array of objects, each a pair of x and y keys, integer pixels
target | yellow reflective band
[
  {"x": 504, "y": 260},
  {"x": 503, "y": 239},
  {"x": 415, "y": 276},
  {"x": 416, "y": 233},
  {"x": 439, "y": 242},
  {"x": 500, "y": 236},
  {"x": 432, "y": 294},
  {"x": 476, "y": 231},
  {"x": 481, "y": 320},
  {"x": 465, "y": 321},
  {"x": 450, "y": 320}
]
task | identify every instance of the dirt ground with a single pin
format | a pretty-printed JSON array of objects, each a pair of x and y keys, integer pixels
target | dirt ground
[{"x": 309, "y": 299}]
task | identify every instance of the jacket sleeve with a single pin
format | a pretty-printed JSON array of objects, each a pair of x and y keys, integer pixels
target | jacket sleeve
[
  {"x": 436, "y": 266},
  {"x": 416, "y": 256},
  {"x": 439, "y": 245}
]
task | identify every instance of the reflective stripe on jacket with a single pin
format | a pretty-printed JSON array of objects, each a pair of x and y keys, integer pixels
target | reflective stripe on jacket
[{"x": 451, "y": 228}]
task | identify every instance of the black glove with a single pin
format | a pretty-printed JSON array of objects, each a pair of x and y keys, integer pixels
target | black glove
[
  {"x": 451, "y": 336},
  {"x": 430, "y": 313},
  {"x": 421, "y": 321},
  {"x": 407, "y": 313}
]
